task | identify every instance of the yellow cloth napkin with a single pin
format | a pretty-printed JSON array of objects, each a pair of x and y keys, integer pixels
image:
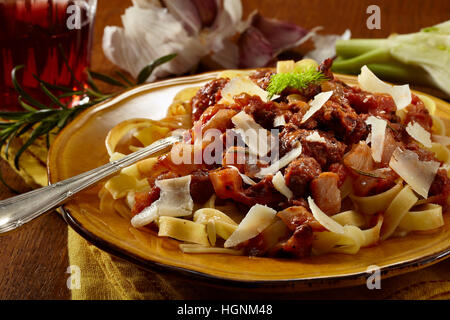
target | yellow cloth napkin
[{"x": 103, "y": 276}]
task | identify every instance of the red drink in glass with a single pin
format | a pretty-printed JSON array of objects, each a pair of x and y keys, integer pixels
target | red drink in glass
[{"x": 45, "y": 36}]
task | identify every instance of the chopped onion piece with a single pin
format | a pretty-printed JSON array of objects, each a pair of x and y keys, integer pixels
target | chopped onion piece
[
  {"x": 419, "y": 134},
  {"x": 315, "y": 137},
  {"x": 326, "y": 221},
  {"x": 257, "y": 219},
  {"x": 285, "y": 66},
  {"x": 240, "y": 85},
  {"x": 279, "y": 183},
  {"x": 175, "y": 201},
  {"x": 418, "y": 174},
  {"x": 368, "y": 81},
  {"x": 317, "y": 103},
  {"x": 281, "y": 163},
  {"x": 245, "y": 125},
  {"x": 377, "y": 136}
]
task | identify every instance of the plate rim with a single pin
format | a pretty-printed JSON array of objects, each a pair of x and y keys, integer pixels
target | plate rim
[
  {"x": 308, "y": 283},
  {"x": 356, "y": 278}
]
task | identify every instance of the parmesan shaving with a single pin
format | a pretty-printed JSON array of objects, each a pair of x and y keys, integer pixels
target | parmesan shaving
[
  {"x": 279, "y": 121},
  {"x": 368, "y": 81},
  {"x": 279, "y": 183},
  {"x": 327, "y": 222},
  {"x": 257, "y": 219},
  {"x": 281, "y": 163},
  {"x": 315, "y": 137},
  {"x": 258, "y": 139},
  {"x": 317, "y": 103},
  {"x": 175, "y": 201},
  {"x": 419, "y": 134},
  {"x": 418, "y": 174},
  {"x": 377, "y": 136},
  {"x": 242, "y": 84},
  {"x": 245, "y": 178}
]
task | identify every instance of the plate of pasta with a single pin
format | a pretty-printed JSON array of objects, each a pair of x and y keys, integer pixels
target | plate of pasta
[{"x": 287, "y": 175}]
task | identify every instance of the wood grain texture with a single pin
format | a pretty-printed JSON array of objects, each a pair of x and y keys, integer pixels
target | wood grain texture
[{"x": 33, "y": 259}]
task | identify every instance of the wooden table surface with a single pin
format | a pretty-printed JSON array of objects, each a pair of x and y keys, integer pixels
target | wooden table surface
[{"x": 34, "y": 259}]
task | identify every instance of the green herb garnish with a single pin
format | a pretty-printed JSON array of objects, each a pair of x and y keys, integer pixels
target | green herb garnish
[
  {"x": 430, "y": 29},
  {"x": 298, "y": 79}
]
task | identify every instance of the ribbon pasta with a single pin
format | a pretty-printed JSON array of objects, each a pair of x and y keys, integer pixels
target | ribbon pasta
[
  {"x": 427, "y": 219},
  {"x": 376, "y": 203}
]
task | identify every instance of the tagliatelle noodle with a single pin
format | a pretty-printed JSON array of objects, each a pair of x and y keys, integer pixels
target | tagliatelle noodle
[
  {"x": 441, "y": 152},
  {"x": 349, "y": 217},
  {"x": 427, "y": 219},
  {"x": 398, "y": 208},
  {"x": 182, "y": 229},
  {"x": 224, "y": 225},
  {"x": 196, "y": 248},
  {"x": 376, "y": 203}
]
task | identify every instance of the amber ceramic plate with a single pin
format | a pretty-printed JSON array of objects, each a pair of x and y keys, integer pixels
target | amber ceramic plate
[{"x": 81, "y": 147}]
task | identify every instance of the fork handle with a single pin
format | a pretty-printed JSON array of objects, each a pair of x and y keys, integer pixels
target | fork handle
[{"x": 16, "y": 211}]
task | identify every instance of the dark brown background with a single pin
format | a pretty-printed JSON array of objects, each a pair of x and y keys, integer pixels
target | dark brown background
[{"x": 34, "y": 260}]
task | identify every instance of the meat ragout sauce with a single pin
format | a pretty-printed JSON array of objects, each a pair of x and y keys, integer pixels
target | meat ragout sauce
[{"x": 322, "y": 167}]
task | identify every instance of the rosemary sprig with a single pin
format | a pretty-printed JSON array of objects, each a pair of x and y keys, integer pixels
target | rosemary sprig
[
  {"x": 147, "y": 71},
  {"x": 297, "y": 79},
  {"x": 43, "y": 120}
]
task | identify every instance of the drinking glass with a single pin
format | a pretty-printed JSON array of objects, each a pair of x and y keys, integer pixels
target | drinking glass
[{"x": 51, "y": 38}]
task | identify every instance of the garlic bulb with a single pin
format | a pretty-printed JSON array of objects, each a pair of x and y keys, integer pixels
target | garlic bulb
[{"x": 194, "y": 29}]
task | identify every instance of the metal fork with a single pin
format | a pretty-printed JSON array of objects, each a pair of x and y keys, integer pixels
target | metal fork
[{"x": 18, "y": 210}]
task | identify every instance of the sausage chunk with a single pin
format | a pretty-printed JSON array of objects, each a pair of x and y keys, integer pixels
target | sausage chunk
[
  {"x": 299, "y": 174},
  {"x": 207, "y": 96}
]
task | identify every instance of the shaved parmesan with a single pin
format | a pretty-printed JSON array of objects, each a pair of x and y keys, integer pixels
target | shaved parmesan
[
  {"x": 368, "y": 81},
  {"x": 146, "y": 216},
  {"x": 279, "y": 121},
  {"x": 258, "y": 139},
  {"x": 326, "y": 221},
  {"x": 245, "y": 178},
  {"x": 419, "y": 134},
  {"x": 418, "y": 174},
  {"x": 377, "y": 136},
  {"x": 257, "y": 219},
  {"x": 369, "y": 138},
  {"x": 174, "y": 201},
  {"x": 130, "y": 199},
  {"x": 240, "y": 85},
  {"x": 281, "y": 163},
  {"x": 280, "y": 184},
  {"x": 317, "y": 103},
  {"x": 315, "y": 137}
]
